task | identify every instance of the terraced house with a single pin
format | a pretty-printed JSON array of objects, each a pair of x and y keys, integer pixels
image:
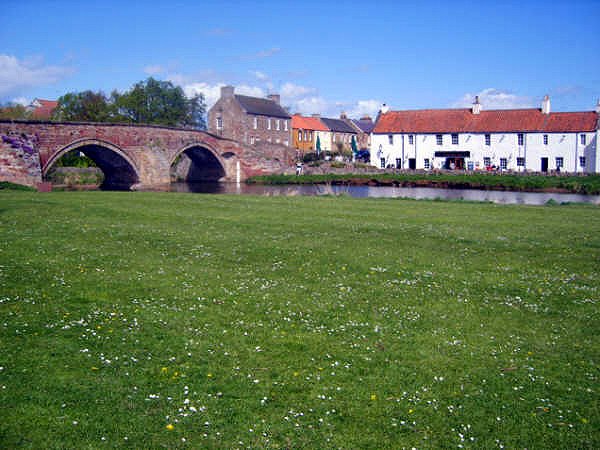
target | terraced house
[
  {"x": 250, "y": 120},
  {"x": 341, "y": 133},
  {"x": 307, "y": 132},
  {"x": 535, "y": 140}
]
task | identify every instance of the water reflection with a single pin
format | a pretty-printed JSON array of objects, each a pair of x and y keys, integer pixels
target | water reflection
[{"x": 504, "y": 197}]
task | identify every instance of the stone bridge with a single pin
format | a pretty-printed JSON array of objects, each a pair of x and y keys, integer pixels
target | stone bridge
[{"x": 133, "y": 156}]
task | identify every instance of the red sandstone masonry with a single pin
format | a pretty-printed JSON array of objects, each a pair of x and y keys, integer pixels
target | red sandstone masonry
[{"x": 150, "y": 149}]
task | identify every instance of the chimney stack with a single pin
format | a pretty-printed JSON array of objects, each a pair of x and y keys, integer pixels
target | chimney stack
[
  {"x": 476, "y": 109},
  {"x": 546, "y": 105},
  {"x": 227, "y": 91},
  {"x": 317, "y": 116},
  {"x": 274, "y": 98},
  {"x": 343, "y": 115},
  {"x": 598, "y": 107},
  {"x": 384, "y": 108}
]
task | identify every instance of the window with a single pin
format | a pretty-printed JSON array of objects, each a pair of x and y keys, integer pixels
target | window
[
  {"x": 255, "y": 123},
  {"x": 582, "y": 161},
  {"x": 285, "y": 125},
  {"x": 559, "y": 162},
  {"x": 411, "y": 139},
  {"x": 219, "y": 123},
  {"x": 278, "y": 124},
  {"x": 520, "y": 161},
  {"x": 268, "y": 124},
  {"x": 299, "y": 135},
  {"x": 582, "y": 139},
  {"x": 545, "y": 139},
  {"x": 487, "y": 161},
  {"x": 252, "y": 140},
  {"x": 488, "y": 139},
  {"x": 398, "y": 163},
  {"x": 438, "y": 137},
  {"x": 426, "y": 164},
  {"x": 391, "y": 139},
  {"x": 454, "y": 139},
  {"x": 520, "y": 138},
  {"x": 305, "y": 135},
  {"x": 503, "y": 164},
  {"x": 382, "y": 162},
  {"x": 310, "y": 136}
]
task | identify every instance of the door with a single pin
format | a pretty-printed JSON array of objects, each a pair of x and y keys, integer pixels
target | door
[
  {"x": 544, "y": 164},
  {"x": 412, "y": 163}
]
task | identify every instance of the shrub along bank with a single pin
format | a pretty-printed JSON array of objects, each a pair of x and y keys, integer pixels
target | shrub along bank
[{"x": 584, "y": 184}]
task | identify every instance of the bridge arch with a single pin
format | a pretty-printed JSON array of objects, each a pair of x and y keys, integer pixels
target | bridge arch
[
  {"x": 198, "y": 162},
  {"x": 120, "y": 171}
]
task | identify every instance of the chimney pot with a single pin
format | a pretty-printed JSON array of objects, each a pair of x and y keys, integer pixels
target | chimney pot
[
  {"x": 227, "y": 91},
  {"x": 274, "y": 98},
  {"x": 546, "y": 105}
]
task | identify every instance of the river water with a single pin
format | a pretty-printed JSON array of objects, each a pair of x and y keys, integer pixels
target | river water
[{"x": 504, "y": 197}]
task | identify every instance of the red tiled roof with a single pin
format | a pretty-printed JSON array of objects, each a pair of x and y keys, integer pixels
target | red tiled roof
[
  {"x": 493, "y": 121},
  {"x": 44, "y": 111},
  {"x": 308, "y": 123}
]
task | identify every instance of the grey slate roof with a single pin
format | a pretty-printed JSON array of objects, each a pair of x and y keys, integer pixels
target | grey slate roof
[
  {"x": 338, "y": 125},
  {"x": 365, "y": 125},
  {"x": 262, "y": 106}
]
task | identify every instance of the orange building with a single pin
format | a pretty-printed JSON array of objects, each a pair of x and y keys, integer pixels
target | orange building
[{"x": 305, "y": 131}]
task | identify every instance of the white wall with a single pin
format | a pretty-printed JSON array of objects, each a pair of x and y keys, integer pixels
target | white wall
[{"x": 503, "y": 145}]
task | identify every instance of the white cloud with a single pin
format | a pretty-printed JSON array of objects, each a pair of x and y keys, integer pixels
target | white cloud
[
  {"x": 262, "y": 54},
  {"x": 16, "y": 74},
  {"x": 293, "y": 91},
  {"x": 153, "y": 69},
  {"x": 365, "y": 108},
  {"x": 212, "y": 92},
  {"x": 260, "y": 75},
  {"x": 492, "y": 98},
  {"x": 21, "y": 101}
]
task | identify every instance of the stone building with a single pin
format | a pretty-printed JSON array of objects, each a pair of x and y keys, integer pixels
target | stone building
[
  {"x": 473, "y": 139},
  {"x": 364, "y": 126},
  {"x": 250, "y": 120},
  {"x": 341, "y": 133}
]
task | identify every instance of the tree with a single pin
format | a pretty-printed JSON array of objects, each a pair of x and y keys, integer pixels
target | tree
[
  {"x": 86, "y": 106},
  {"x": 14, "y": 111},
  {"x": 318, "y": 145},
  {"x": 160, "y": 102},
  {"x": 353, "y": 144},
  {"x": 150, "y": 102}
]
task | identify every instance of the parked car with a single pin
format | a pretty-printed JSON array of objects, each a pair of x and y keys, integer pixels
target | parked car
[{"x": 363, "y": 156}]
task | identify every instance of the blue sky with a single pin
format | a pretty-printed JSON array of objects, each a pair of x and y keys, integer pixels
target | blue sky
[{"x": 322, "y": 56}]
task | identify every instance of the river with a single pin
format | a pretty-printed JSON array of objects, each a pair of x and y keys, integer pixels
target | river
[{"x": 503, "y": 197}]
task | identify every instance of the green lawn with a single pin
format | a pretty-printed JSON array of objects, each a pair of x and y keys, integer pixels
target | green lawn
[{"x": 162, "y": 320}]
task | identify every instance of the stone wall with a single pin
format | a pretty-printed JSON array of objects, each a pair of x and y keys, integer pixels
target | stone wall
[{"x": 19, "y": 160}]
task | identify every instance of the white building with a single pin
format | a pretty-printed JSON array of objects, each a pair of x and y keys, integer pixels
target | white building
[{"x": 518, "y": 139}]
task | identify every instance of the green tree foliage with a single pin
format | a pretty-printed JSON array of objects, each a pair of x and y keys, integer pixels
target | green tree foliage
[
  {"x": 14, "y": 111},
  {"x": 160, "y": 102},
  {"x": 86, "y": 106},
  {"x": 150, "y": 102}
]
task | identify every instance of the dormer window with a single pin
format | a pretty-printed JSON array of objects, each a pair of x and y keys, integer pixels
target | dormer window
[{"x": 219, "y": 123}]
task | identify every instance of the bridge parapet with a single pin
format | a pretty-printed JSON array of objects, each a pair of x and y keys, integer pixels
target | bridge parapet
[{"x": 140, "y": 155}]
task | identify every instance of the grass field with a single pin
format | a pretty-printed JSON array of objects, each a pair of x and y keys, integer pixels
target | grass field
[{"x": 157, "y": 320}]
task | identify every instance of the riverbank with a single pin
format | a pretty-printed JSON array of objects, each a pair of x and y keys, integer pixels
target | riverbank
[
  {"x": 576, "y": 184},
  {"x": 165, "y": 320}
]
